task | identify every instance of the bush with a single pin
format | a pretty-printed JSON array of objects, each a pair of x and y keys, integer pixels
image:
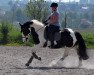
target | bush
[
  {"x": 4, "y": 32},
  {"x": 9, "y": 33}
]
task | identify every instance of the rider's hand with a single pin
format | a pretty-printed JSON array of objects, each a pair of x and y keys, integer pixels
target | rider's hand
[{"x": 45, "y": 22}]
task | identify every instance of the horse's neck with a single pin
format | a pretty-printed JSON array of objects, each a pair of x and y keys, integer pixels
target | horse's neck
[{"x": 37, "y": 25}]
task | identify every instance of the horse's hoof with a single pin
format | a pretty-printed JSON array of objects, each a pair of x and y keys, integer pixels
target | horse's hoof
[
  {"x": 57, "y": 46},
  {"x": 27, "y": 64},
  {"x": 51, "y": 46},
  {"x": 39, "y": 58},
  {"x": 85, "y": 58},
  {"x": 62, "y": 59},
  {"x": 45, "y": 44}
]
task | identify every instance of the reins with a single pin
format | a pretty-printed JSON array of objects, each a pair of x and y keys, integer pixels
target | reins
[{"x": 39, "y": 29}]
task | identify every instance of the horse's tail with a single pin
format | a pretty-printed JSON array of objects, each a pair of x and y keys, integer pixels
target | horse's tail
[{"x": 82, "y": 51}]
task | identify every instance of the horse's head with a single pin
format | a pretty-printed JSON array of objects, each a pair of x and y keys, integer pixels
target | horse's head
[{"x": 26, "y": 29}]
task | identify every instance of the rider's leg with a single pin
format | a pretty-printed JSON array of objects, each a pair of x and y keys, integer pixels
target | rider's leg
[
  {"x": 52, "y": 44},
  {"x": 58, "y": 44},
  {"x": 53, "y": 31},
  {"x": 45, "y": 44},
  {"x": 46, "y": 32}
]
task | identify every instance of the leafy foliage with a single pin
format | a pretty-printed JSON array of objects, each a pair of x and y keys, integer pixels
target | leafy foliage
[
  {"x": 4, "y": 32},
  {"x": 9, "y": 33},
  {"x": 37, "y": 9}
]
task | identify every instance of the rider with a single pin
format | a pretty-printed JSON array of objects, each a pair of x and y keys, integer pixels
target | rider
[{"x": 53, "y": 22}]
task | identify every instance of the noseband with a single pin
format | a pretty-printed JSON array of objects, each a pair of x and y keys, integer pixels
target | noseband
[{"x": 25, "y": 37}]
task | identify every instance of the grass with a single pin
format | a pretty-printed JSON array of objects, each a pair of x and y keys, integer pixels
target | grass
[
  {"x": 16, "y": 40},
  {"x": 89, "y": 39}
]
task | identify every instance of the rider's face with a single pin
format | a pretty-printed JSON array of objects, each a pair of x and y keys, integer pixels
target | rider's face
[{"x": 54, "y": 8}]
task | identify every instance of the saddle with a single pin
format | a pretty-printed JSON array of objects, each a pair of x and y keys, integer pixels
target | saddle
[{"x": 49, "y": 35}]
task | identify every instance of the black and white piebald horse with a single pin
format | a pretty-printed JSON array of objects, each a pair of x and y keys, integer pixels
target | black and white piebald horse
[
  {"x": 26, "y": 30},
  {"x": 68, "y": 38}
]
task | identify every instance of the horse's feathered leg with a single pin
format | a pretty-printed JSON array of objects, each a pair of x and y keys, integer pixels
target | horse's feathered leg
[
  {"x": 32, "y": 57},
  {"x": 65, "y": 53},
  {"x": 29, "y": 61},
  {"x": 45, "y": 44},
  {"x": 81, "y": 47},
  {"x": 80, "y": 62},
  {"x": 35, "y": 56}
]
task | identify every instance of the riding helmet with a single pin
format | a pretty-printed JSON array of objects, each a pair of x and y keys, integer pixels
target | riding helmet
[{"x": 54, "y": 5}]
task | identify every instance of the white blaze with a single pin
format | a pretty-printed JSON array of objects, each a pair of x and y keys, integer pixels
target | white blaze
[{"x": 24, "y": 37}]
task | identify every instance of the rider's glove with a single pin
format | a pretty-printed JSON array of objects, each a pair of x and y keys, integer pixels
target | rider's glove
[{"x": 45, "y": 22}]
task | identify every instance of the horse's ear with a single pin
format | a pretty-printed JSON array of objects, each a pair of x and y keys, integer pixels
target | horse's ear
[
  {"x": 31, "y": 22},
  {"x": 20, "y": 24}
]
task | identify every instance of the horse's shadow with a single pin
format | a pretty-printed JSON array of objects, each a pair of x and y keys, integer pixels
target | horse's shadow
[{"x": 45, "y": 68}]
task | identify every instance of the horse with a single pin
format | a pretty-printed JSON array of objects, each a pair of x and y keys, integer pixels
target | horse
[
  {"x": 68, "y": 39},
  {"x": 26, "y": 30}
]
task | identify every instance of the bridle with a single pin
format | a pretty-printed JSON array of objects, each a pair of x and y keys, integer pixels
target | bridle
[
  {"x": 39, "y": 29},
  {"x": 26, "y": 37}
]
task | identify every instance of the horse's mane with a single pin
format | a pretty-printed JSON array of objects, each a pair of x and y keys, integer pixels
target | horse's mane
[{"x": 37, "y": 23}]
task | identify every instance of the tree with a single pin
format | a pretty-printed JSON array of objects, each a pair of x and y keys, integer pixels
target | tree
[
  {"x": 37, "y": 9},
  {"x": 13, "y": 6}
]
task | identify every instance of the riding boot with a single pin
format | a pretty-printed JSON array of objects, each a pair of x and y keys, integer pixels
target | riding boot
[
  {"x": 45, "y": 44},
  {"x": 52, "y": 44},
  {"x": 58, "y": 45}
]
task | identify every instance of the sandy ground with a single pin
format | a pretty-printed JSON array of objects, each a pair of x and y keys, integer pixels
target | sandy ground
[{"x": 13, "y": 60}]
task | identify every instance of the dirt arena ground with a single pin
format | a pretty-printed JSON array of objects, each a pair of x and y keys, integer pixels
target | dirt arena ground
[{"x": 13, "y": 60}]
